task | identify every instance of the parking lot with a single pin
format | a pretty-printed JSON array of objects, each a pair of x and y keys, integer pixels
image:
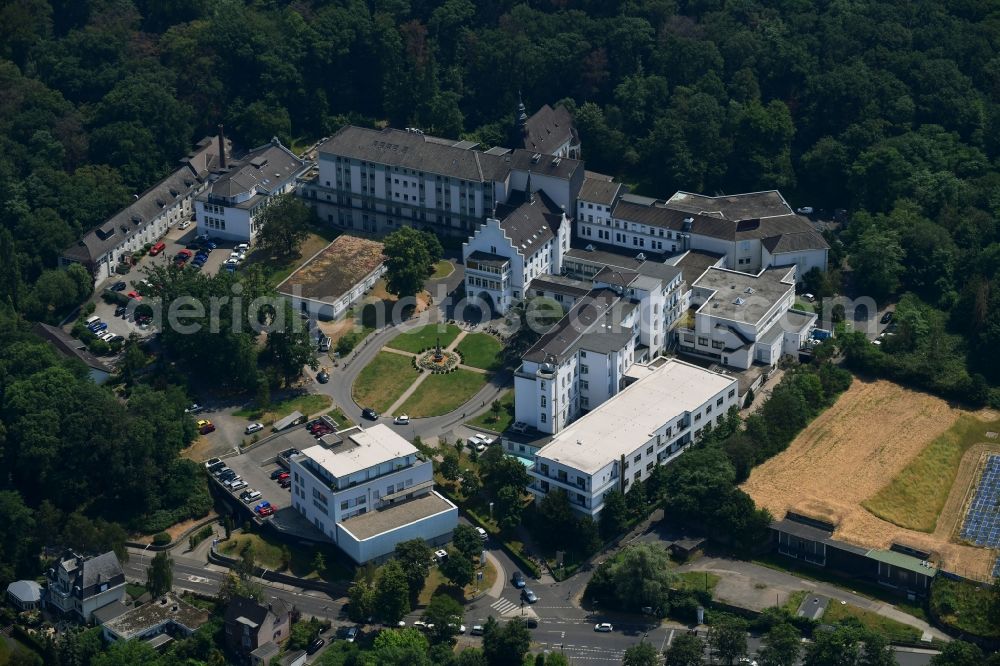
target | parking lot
[{"x": 255, "y": 467}]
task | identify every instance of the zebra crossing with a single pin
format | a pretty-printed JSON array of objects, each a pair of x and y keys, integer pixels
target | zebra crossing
[{"x": 505, "y": 607}]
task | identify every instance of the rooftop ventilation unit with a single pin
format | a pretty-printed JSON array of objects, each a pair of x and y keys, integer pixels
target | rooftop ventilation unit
[
  {"x": 536, "y": 158},
  {"x": 556, "y": 161}
]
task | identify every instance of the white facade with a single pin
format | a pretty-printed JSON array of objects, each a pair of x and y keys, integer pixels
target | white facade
[
  {"x": 357, "y": 471},
  {"x": 741, "y": 319},
  {"x": 648, "y": 424},
  {"x": 80, "y": 586},
  {"x": 434, "y": 525},
  {"x": 231, "y": 204}
]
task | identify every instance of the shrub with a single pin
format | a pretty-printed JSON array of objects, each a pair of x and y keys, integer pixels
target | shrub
[{"x": 161, "y": 539}]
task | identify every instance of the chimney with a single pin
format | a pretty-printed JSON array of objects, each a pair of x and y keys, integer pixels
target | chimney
[{"x": 222, "y": 147}]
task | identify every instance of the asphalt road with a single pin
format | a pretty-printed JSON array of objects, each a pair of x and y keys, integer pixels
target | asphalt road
[{"x": 201, "y": 578}]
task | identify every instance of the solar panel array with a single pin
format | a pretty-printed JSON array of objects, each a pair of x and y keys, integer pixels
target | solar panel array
[{"x": 982, "y": 522}]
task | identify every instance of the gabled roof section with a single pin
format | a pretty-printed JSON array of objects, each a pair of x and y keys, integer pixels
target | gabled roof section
[
  {"x": 563, "y": 168},
  {"x": 529, "y": 223},
  {"x": 69, "y": 346},
  {"x": 734, "y": 207},
  {"x": 600, "y": 189},
  {"x": 417, "y": 151},
  {"x": 148, "y": 206},
  {"x": 260, "y": 171},
  {"x": 796, "y": 241},
  {"x": 548, "y": 129}
]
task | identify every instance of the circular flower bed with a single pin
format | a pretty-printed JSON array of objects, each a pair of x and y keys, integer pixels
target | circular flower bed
[{"x": 438, "y": 361}]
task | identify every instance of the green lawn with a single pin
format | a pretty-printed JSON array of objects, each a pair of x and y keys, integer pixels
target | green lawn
[
  {"x": 383, "y": 380},
  {"x": 795, "y": 600},
  {"x": 436, "y": 583},
  {"x": 442, "y": 269},
  {"x": 965, "y": 606},
  {"x": 424, "y": 337},
  {"x": 267, "y": 554},
  {"x": 915, "y": 497},
  {"x": 307, "y": 403},
  {"x": 891, "y": 629},
  {"x": 480, "y": 350},
  {"x": 503, "y": 420},
  {"x": 440, "y": 394}
]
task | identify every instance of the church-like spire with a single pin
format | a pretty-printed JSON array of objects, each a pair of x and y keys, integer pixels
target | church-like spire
[
  {"x": 521, "y": 119},
  {"x": 529, "y": 196}
]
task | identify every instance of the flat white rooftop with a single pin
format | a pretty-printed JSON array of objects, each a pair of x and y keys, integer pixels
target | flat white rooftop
[
  {"x": 624, "y": 423},
  {"x": 359, "y": 449}
]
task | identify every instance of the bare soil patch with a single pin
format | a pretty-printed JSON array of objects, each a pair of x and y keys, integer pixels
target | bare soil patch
[{"x": 849, "y": 453}]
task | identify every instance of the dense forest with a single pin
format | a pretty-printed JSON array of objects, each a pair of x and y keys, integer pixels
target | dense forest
[{"x": 889, "y": 109}]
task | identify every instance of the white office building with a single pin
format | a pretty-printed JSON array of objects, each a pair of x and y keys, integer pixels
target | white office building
[
  {"x": 369, "y": 489},
  {"x": 106, "y": 251},
  {"x": 752, "y": 231},
  {"x": 740, "y": 319},
  {"x": 523, "y": 240},
  {"x": 377, "y": 181},
  {"x": 239, "y": 191},
  {"x": 650, "y": 423}
]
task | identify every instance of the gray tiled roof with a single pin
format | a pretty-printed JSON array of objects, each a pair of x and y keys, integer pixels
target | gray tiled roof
[
  {"x": 417, "y": 152},
  {"x": 548, "y": 129},
  {"x": 567, "y": 331},
  {"x": 561, "y": 285},
  {"x": 797, "y": 241},
  {"x": 264, "y": 168},
  {"x": 598, "y": 188},
  {"x": 134, "y": 217},
  {"x": 529, "y": 224},
  {"x": 101, "y": 569},
  {"x": 734, "y": 207},
  {"x": 563, "y": 168},
  {"x": 69, "y": 346}
]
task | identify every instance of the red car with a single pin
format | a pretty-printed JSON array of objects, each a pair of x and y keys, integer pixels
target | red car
[
  {"x": 266, "y": 511},
  {"x": 134, "y": 295},
  {"x": 282, "y": 476},
  {"x": 205, "y": 429}
]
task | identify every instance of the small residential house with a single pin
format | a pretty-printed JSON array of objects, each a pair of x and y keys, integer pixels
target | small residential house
[
  {"x": 249, "y": 625},
  {"x": 79, "y": 585},
  {"x": 70, "y": 347}
]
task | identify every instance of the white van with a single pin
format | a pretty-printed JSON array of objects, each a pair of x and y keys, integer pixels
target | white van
[{"x": 92, "y": 320}]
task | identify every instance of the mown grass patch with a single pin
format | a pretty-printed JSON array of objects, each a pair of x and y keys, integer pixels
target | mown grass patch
[
  {"x": 424, "y": 337},
  {"x": 307, "y": 403},
  {"x": 440, "y": 394},
  {"x": 915, "y": 497},
  {"x": 383, "y": 380},
  {"x": 893, "y": 630},
  {"x": 480, "y": 350},
  {"x": 500, "y": 421}
]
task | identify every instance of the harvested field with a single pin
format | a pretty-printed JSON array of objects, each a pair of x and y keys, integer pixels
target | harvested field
[{"x": 849, "y": 454}]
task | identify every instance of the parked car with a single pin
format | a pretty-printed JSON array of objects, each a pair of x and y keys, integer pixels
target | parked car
[
  {"x": 283, "y": 476},
  {"x": 352, "y": 634},
  {"x": 517, "y": 579},
  {"x": 120, "y": 310},
  {"x": 119, "y": 286},
  {"x": 402, "y": 419},
  {"x": 253, "y": 427},
  {"x": 482, "y": 534},
  {"x": 529, "y": 596},
  {"x": 260, "y": 507},
  {"x": 251, "y": 496},
  {"x": 805, "y": 210},
  {"x": 212, "y": 462},
  {"x": 243, "y": 247},
  {"x": 604, "y": 627},
  {"x": 313, "y": 647},
  {"x": 531, "y": 623},
  {"x": 440, "y": 555},
  {"x": 205, "y": 429},
  {"x": 285, "y": 483},
  {"x": 194, "y": 409},
  {"x": 887, "y": 317},
  {"x": 477, "y": 630},
  {"x": 231, "y": 480},
  {"x": 239, "y": 483},
  {"x": 276, "y": 473},
  {"x": 98, "y": 327},
  {"x": 809, "y": 297},
  {"x": 157, "y": 248},
  {"x": 323, "y": 376},
  {"x": 134, "y": 295},
  {"x": 202, "y": 422},
  {"x": 369, "y": 414},
  {"x": 244, "y": 495},
  {"x": 184, "y": 225},
  {"x": 266, "y": 511}
]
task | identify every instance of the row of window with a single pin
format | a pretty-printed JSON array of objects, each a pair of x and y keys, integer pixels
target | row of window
[{"x": 215, "y": 222}]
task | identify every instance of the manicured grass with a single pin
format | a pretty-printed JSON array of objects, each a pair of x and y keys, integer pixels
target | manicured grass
[
  {"x": 697, "y": 580},
  {"x": 339, "y": 417},
  {"x": 383, "y": 380},
  {"x": 965, "y": 606},
  {"x": 440, "y": 394},
  {"x": 442, "y": 269},
  {"x": 480, "y": 350},
  {"x": 307, "y": 403},
  {"x": 424, "y": 337},
  {"x": 134, "y": 590},
  {"x": 500, "y": 422},
  {"x": 267, "y": 554},
  {"x": 915, "y": 497},
  {"x": 893, "y": 630}
]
